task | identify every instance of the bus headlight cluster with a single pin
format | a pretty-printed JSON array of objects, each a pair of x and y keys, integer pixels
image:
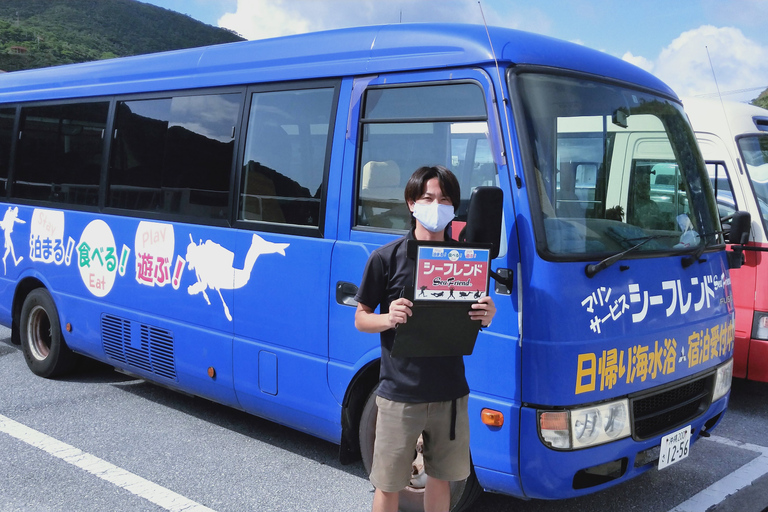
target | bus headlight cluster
[
  {"x": 585, "y": 427},
  {"x": 723, "y": 380}
]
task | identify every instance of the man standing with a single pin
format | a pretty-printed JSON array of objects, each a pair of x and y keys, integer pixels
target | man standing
[{"x": 420, "y": 395}]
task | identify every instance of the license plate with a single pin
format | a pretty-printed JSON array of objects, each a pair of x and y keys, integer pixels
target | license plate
[{"x": 675, "y": 447}]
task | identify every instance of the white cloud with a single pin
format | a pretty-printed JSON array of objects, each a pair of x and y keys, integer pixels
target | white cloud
[
  {"x": 739, "y": 62},
  {"x": 260, "y": 19},
  {"x": 638, "y": 61}
]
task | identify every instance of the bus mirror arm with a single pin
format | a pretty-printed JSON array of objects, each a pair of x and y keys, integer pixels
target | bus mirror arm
[
  {"x": 505, "y": 280},
  {"x": 735, "y": 257}
]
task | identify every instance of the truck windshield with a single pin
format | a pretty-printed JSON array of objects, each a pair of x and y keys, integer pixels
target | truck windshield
[
  {"x": 754, "y": 152},
  {"x": 611, "y": 167}
]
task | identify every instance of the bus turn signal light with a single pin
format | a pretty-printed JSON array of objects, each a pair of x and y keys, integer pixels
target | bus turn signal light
[
  {"x": 492, "y": 418},
  {"x": 554, "y": 420}
]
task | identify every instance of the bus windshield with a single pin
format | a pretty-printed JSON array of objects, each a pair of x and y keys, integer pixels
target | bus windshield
[
  {"x": 613, "y": 168},
  {"x": 754, "y": 151}
]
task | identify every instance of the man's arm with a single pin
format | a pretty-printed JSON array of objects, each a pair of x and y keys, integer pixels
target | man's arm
[{"x": 368, "y": 321}]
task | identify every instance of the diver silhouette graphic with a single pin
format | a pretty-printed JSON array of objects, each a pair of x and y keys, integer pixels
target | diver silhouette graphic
[
  {"x": 214, "y": 269},
  {"x": 10, "y": 218}
]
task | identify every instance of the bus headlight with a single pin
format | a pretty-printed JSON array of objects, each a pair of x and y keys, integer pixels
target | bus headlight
[
  {"x": 723, "y": 380},
  {"x": 585, "y": 427}
]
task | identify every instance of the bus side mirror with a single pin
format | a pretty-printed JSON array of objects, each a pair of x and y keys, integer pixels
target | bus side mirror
[
  {"x": 738, "y": 235},
  {"x": 484, "y": 218},
  {"x": 741, "y": 223}
]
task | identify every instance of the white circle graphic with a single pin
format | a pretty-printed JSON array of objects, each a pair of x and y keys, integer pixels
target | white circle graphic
[{"x": 97, "y": 258}]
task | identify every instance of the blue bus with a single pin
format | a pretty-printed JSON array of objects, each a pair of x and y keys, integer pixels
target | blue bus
[{"x": 200, "y": 219}]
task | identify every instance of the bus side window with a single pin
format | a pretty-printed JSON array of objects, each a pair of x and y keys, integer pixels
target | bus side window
[
  {"x": 405, "y": 128},
  {"x": 174, "y": 155},
  {"x": 285, "y": 156},
  {"x": 60, "y": 152},
  {"x": 7, "y": 116}
]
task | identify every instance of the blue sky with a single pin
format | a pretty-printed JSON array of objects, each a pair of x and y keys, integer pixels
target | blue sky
[{"x": 669, "y": 38}]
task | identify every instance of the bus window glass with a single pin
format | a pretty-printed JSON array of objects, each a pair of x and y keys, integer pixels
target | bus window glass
[
  {"x": 7, "y": 116},
  {"x": 285, "y": 156},
  {"x": 174, "y": 155},
  {"x": 59, "y": 153},
  {"x": 613, "y": 168},
  {"x": 721, "y": 184},
  {"x": 754, "y": 151},
  {"x": 425, "y": 102},
  {"x": 408, "y": 127}
]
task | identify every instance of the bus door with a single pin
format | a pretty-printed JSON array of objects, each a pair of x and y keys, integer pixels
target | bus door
[
  {"x": 731, "y": 197},
  {"x": 280, "y": 272},
  {"x": 398, "y": 124}
]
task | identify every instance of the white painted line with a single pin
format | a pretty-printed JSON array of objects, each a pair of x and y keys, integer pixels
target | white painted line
[
  {"x": 141, "y": 487},
  {"x": 731, "y": 484}
]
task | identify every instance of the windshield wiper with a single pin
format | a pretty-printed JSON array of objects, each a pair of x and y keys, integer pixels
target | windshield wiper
[
  {"x": 591, "y": 270},
  {"x": 696, "y": 255},
  {"x": 693, "y": 258}
]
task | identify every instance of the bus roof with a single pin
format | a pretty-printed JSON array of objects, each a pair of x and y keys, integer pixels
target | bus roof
[
  {"x": 335, "y": 53},
  {"x": 709, "y": 115}
]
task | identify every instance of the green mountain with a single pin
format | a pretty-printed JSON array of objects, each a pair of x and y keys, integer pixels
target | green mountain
[
  {"x": 40, "y": 33},
  {"x": 762, "y": 100}
]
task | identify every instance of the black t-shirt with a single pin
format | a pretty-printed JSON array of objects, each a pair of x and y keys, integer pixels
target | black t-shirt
[{"x": 406, "y": 379}]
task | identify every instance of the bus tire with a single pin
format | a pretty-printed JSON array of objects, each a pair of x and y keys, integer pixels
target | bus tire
[
  {"x": 45, "y": 351},
  {"x": 463, "y": 493}
]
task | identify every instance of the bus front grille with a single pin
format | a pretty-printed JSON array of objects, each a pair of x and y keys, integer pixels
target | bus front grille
[
  {"x": 667, "y": 409},
  {"x": 139, "y": 346}
]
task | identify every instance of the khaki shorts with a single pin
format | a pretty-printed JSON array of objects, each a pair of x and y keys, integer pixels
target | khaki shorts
[{"x": 398, "y": 427}]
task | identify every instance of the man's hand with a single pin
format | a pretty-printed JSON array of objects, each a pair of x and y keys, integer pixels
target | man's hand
[
  {"x": 483, "y": 310},
  {"x": 399, "y": 311}
]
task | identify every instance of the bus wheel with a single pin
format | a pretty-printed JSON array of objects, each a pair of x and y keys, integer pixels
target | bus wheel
[
  {"x": 41, "y": 341},
  {"x": 463, "y": 493}
]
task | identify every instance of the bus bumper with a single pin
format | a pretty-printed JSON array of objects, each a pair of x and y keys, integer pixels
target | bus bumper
[{"x": 551, "y": 474}]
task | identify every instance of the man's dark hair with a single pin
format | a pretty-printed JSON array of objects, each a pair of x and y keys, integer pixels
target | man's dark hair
[{"x": 414, "y": 189}]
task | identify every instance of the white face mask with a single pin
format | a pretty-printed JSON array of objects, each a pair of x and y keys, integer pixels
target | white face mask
[{"x": 434, "y": 216}]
